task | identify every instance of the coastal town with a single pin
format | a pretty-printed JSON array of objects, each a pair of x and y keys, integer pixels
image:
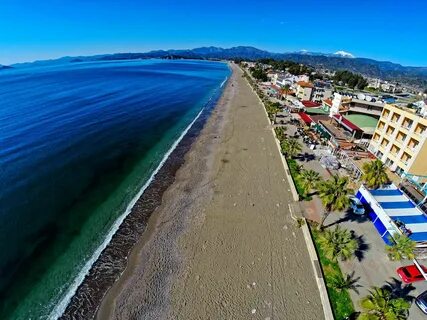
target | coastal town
[{"x": 354, "y": 149}]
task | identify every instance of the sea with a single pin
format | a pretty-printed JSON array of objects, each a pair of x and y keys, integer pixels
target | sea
[{"x": 79, "y": 143}]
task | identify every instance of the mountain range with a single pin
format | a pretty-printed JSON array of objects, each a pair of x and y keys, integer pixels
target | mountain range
[{"x": 340, "y": 60}]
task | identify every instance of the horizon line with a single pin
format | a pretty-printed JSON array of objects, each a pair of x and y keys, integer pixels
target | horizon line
[{"x": 302, "y": 51}]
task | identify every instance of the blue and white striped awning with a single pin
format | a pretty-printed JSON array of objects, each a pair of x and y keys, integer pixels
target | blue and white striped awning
[{"x": 399, "y": 207}]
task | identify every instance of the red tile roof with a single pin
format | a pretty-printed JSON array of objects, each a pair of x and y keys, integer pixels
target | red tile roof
[
  {"x": 328, "y": 102},
  {"x": 305, "y": 84}
]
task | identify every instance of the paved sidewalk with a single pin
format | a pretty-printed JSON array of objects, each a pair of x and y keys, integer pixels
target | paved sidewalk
[{"x": 372, "y": 264}]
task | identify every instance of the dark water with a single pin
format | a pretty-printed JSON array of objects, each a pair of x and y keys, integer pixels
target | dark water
[{"x": 77, "y": 143}]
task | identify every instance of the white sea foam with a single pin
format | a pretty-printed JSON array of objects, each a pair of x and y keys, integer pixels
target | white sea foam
[
  {"x": 63, "y": 303},
  {"x": 222, "y": 83}
]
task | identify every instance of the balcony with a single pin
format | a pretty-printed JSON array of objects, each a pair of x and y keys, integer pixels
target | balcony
[
  {"x": 420, "y": 133},
  {"x": 395, "y": 119},
  {"x": 407, "y": 123},
  {"x": 385, "y": 114},
  {"x": 413, "y": 147},
  {"x": 401, "y": 138},
  {"x": 394, "y": 151}
]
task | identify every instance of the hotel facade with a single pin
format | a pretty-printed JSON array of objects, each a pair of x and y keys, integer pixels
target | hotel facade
[{"x": 399, "y": 141}]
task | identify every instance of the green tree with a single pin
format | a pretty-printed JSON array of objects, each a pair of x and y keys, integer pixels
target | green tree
[
  {"x": 272, "y": 110},
  {"x": 309, "y": 179},
  {"x": 403, "y": 248},
  {"x": 338, "y": 243},
  {"x": 374, "y": 174},
  {"x": 340, "y": 283},
  {"x": 280, "y": 133},
  {"x": 382, "y": 304},
  {"x": 291, "y": 147},
  {"x": 259, "y": 74},
  {"x": 334, "y": 194},
  {"x": 285, "y": 90},
  {"x": 350, "y": 79}
]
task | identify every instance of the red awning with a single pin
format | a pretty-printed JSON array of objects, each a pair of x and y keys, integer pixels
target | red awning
[
  {"x": 346, "y": 123},
  {"x": 310, "y": 104},
  {"x": 305, "y": 117}
]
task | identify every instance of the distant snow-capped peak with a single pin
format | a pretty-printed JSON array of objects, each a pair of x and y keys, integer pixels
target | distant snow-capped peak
[{"x": 343, "y": 54}]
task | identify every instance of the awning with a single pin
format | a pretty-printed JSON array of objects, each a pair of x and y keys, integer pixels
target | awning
[
  {"x": 305, "y": 117},
  {"x": 346, "y": 123},
  {"x": 310, "y": 104}
]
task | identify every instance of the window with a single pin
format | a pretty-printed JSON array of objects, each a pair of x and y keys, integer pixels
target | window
[
  {"x": 407, "y": 123},
  {"x": 389, "y": 162},
  {"x": 399, "y": 171},
  {"x": 420, "y": 129},
  {"x": 386, "y": 113},
  {"x": 413, "y": 143},
  {"x": 405, "y": 158},
  {"x": 395, "y": 150},
  {"x": 395, "y": 117},
  {"x": 390, "y": 130},
  {"x": 384, "y": 143},
  {"x": 401, "y": 137}
]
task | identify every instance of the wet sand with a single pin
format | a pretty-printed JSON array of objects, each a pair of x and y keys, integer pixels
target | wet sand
[{"x": 223, "y": 244}]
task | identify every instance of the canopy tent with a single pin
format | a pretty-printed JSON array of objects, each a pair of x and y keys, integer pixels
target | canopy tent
[
  {"x": 306, "y": 118},
  {"x": 393, "y": 212},
  {"x": 346, "y": 123}
]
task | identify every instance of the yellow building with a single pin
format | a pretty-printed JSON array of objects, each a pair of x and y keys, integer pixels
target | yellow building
[{"x": 399, "y": 140}]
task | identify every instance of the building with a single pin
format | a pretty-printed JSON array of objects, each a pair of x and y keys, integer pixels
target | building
[
  {"x": 422, "y": 107},
  {"x": 366, "y": 107},
  {"x": 321, "y": 91},
  {"x": 304, "y": 90},
  {"x": 399, "y": 141}
]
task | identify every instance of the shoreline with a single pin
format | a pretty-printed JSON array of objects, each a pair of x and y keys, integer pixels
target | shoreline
[
  {"x": 223, "y": 244},
  {"x": 139, "y": 255},
  {"x": 110, "y": 263}
]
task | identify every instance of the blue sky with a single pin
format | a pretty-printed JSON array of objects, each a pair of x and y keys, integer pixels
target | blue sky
[{"x": 393, "y": 30}]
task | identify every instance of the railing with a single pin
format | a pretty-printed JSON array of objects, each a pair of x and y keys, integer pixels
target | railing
[{"x": 416, "y": 200}]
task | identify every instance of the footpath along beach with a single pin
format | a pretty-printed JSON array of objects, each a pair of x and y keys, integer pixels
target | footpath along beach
[{"x": 223, "y": 244}]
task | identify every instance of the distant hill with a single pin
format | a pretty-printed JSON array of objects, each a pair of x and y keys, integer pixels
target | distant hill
[{"x": 339, "y": 60}]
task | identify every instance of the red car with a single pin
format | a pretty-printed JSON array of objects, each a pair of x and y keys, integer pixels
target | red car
[{"x": 410, "y": 273}]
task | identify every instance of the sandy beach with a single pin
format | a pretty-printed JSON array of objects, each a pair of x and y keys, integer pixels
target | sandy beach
[{"x": 222, "y": 245}]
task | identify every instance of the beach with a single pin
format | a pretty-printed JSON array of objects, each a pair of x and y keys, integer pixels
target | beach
[{"x": 222, "y": 244}]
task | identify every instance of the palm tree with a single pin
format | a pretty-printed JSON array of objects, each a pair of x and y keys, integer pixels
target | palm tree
[
  {"x": 403, "y": 248},
  {"x": 374, "y": 174},
  {"x": 381, "y": 304},
  {"x": 272, "y": 110},
  {"x": 280, "y": 133},
  {"x": 291, "y": 147},
  {"x": 348, "y": 282},
  {"x": 338, "y": 243},
  {"x": 309, "y": 179},
  {"x": 334, "y": 194}
]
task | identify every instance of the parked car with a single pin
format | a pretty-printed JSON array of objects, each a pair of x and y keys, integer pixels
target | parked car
[
  {"x": 421, "y": 302},
  {"x": 357, "y": 206},
  {"x": 410, "y": 274}
]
